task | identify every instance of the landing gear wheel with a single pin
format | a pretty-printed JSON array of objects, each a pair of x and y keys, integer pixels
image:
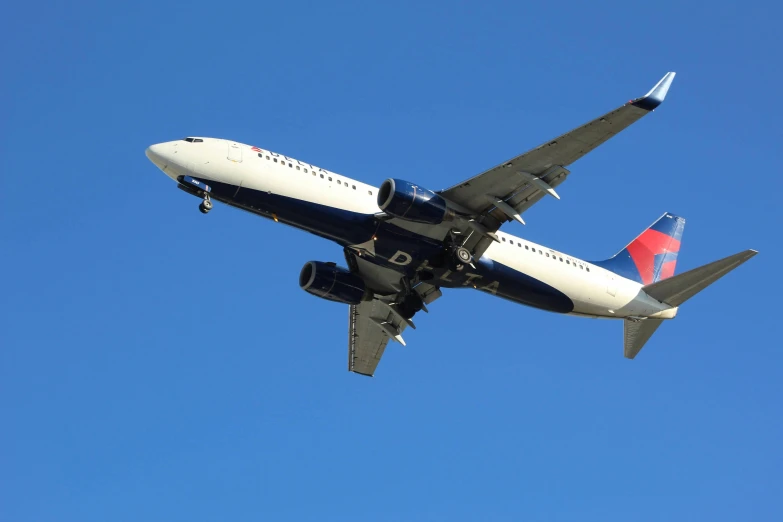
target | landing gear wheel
[
  {"x": 460, "y": 256},
  {"x": 463, "y": 255},
  {"x": 205, "y": 206}
]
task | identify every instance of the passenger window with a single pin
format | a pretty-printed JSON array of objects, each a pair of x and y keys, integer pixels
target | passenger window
[
  {"x": 588, "y": 268},
  {"x": 568, "y": 262},
  {"x": 267, "y": 157},
  {"x": 561, "y": 259},
  {"x": 540, "y": 252},
  {"x": 260, "y": 155},
  {"x": 338, "y": 182},
  {"x": 547, "y": 254},
  {"x": 369, "y": 192},
  {"x": 297, "y": 167},
  {"x": 322, "y": 176},
  {"x": 330, "y": 178},
  {"x": 519, "y": 245},
  {"x": 580, "y": 266},
  {"x": 275, "y": 160},
  {"x": 526, "y": 247},
  {"x": 306, "y": 172},
  {"x": 354, "y": 187},
  {"x": 504, "y": 239},
  {"x": 289, "y": 165}
]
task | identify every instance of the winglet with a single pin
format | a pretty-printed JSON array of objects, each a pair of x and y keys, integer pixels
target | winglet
[{"x": 655, "y": 97}]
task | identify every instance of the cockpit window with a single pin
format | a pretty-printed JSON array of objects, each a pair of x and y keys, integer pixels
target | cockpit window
[
  {"x": 193, "y": 140},
  {"x": 189, "y": 139}
]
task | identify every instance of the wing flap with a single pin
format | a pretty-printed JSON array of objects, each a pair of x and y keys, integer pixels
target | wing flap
[
  {"x": 367, "y": 340},
  {"x": 371, "y": 324}
]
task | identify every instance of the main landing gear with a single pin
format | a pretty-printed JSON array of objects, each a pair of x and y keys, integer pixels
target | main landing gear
[
  {"x": 408, "y": 301},
  {"x": 409, "y": 305},
  {"x": 454, "y": 255},
  {"x": 206, "y": 205},
  {"x": 463, "y": 255},
  {"x": 459, "y": 256}
]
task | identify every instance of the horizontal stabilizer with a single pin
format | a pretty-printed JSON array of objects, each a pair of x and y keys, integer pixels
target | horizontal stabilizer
[
  {"x": 678, "y": 289},
  {"x": 637, "y": 333}
]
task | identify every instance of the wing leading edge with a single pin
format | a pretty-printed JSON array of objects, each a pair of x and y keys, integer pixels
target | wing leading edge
[{"x": 525, "y": 179}]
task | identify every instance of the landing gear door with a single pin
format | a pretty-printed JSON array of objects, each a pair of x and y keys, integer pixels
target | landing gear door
[{"x": 234, "y": 152}]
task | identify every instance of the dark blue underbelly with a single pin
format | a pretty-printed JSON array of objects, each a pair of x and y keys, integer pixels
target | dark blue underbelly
[{"x": 352, "y": 228}]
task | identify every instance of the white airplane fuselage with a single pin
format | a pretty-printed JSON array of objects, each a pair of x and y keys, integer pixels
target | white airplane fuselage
[{"x": 346, "y": 211}]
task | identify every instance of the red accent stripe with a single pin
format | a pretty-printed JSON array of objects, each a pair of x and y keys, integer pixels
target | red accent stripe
[
  {"x": 667, "y": 270},
  {"x": 643, "y": 250}
]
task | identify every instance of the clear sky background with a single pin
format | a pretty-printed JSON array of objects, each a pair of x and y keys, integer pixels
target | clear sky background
[{"x": 161, "y": 365}]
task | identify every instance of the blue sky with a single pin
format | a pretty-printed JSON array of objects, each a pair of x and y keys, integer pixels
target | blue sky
[{"x": 161, "y": 365}]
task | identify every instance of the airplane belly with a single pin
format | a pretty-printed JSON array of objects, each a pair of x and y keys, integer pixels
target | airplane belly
[
  {"x": 584, "y": 291},
  {"x": 343, "y": 226},
  {"x": 390, "y": 246},
  {"x": 498, "y": 279}
]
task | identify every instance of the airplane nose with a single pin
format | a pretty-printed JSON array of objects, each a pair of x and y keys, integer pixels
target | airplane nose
[
  {"x": 158, "y": 155},
  {"x": 155, "y": 155},
  {"x": 164, "y": 156}
]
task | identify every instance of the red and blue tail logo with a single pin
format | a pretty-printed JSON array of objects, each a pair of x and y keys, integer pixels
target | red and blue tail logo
[{"x": 652, "y": 256}]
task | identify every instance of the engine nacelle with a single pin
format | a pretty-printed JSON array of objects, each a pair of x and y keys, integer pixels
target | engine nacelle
[
  {"x": 405, "y": 200},
  {"x": 332, "y": 282}
]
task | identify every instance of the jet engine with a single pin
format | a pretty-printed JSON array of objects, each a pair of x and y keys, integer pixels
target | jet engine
[
  {"x": 405, "y": 200},
  {"x": 332, "y": 282}
]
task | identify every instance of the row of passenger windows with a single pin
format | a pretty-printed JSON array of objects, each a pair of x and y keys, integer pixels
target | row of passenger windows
[
  {"x": 282, "y": 162},
  {"x": 554, "y": 256}
]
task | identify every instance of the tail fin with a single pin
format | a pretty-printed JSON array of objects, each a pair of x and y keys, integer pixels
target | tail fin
[
  {"x": 675, "y": 291},
  {"x": 652, "y": 256}
]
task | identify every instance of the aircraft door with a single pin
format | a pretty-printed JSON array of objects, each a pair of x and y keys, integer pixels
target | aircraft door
[
  {"x": 611, "y": 284},
  {"x": 234, "y": 152}
]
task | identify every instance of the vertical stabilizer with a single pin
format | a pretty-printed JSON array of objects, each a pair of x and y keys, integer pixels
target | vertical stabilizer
[{"x": 652, "y": 256}]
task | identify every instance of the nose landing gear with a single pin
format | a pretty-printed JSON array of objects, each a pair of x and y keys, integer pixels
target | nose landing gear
[{"x": 206, "y": 205}]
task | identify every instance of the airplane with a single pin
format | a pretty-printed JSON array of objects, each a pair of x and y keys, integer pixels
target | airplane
[{"x": 403, "y": 243}]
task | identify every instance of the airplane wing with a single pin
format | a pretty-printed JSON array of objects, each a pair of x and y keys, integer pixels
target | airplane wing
[
  {"x": 506, "y": 191},
  {"x": 371, "y": 324}
]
